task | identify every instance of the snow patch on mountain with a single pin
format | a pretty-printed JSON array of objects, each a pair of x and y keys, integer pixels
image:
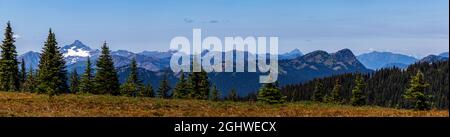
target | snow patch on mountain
[{"x": 73, "y": 52}]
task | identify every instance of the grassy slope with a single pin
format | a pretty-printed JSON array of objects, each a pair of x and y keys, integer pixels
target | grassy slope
[{"x": 28, "y": 104}]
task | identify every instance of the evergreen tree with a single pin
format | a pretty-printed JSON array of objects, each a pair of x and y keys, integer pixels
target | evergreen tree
[
  {"x": 52, "y": 75},
  {"x": 87, "y": 82},
  {"x": 164, "y": 88},
  {"x": 233, "y": 95},
  {"x": 129, "y": 89},
  {"x": 106, "y": 80},
  {"x": 319, "y": 92},
  {"x": 181, "y": 90},
  {"x": 335, "y": 95},
  {"x": 199, "y": 85},
  {"x": 215, "y": 94},
  {"x": 74, "y": 82},
  {"x": 148, "y": 91},
  {"x": 205, "y": 85},
  {"x": 191, "y": 80},
  {"x": 9, "y": 69},
  {"x": 133, "y": 85},
  {"x": 30, "y": 83},
  {"x": 133, "y": 78},
  {"x": 416, "y": 95},
  {"x": 23, "y": 74},
  {"x": 270, "y": 93},
  {"x": 358, "y": 98}
]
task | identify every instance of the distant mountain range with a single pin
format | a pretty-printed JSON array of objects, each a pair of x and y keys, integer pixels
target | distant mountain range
[
  {"x": 31, "y": 59},
  {"x": 303, "y": 68},
  {"x": 294, "y": 67},
  {"x": 433, "y": 58},
  {"x": 445, "y": 54},
  {"x": 377, "y": 60},
  {"x": 76, "y": 55},
  {"x": 291, "y": 55}
]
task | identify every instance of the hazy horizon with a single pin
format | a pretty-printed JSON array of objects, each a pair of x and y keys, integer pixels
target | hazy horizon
[{"x": 412, "y": 27}]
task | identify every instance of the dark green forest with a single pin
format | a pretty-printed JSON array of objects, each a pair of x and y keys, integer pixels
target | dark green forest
[{"x": 384, "y": 87}]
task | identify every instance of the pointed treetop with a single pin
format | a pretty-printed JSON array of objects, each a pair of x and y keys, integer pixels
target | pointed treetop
[
  {"x": 105, "y": 46},
  {"x": 8, "y": 33},
  {"x": 8, "y": 25}
]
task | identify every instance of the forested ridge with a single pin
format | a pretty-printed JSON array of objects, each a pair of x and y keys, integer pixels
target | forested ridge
[{"x": 384, "y": 87}]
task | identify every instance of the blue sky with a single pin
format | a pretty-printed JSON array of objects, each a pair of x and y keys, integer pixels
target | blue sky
[{"x": 414, "y": 27}]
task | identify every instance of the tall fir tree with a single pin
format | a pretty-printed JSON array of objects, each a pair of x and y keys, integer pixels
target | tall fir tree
[
  {"x": 198, "y": 82},
  {"x": 23, "y": 74},
  {"x": 164, "y": 88},
  {"x": 335, "y": 95},
  {"x": 74, "y": 82},
  {"x": 271, "y": 94},
  {"x": 106, "y": 80},
  {"x": 133, "y": 85},
  {"x": 133, "y": 78},
  {"x": 358, "y": 97},
  {"x": 30, "y": 83},
  {"x": 205, "y": 85},
  {"x": 319, "y": 92},
  {"x": 199, "y": 85},
  {"x": 215, "y": 94},
  {"x": 87, "y": 82},
  {"x": 415, "y": 93},
  {"x": 181, "y": 90},
  {"x": 52, "y": 74},
  {"x": 9, "y": 69}
]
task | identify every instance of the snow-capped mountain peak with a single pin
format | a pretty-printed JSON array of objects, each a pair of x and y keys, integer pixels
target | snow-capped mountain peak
[{"x": 76, "y": 49}]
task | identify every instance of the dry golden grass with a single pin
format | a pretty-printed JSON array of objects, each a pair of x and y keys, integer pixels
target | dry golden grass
[{"x": 34, "y": 105}]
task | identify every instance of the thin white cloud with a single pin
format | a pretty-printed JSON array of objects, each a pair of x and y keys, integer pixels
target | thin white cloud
[
  {"x": 17, "y": 36},
  {"x": 188, "y": 20},
  {"x": 213, "y": 21}
]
